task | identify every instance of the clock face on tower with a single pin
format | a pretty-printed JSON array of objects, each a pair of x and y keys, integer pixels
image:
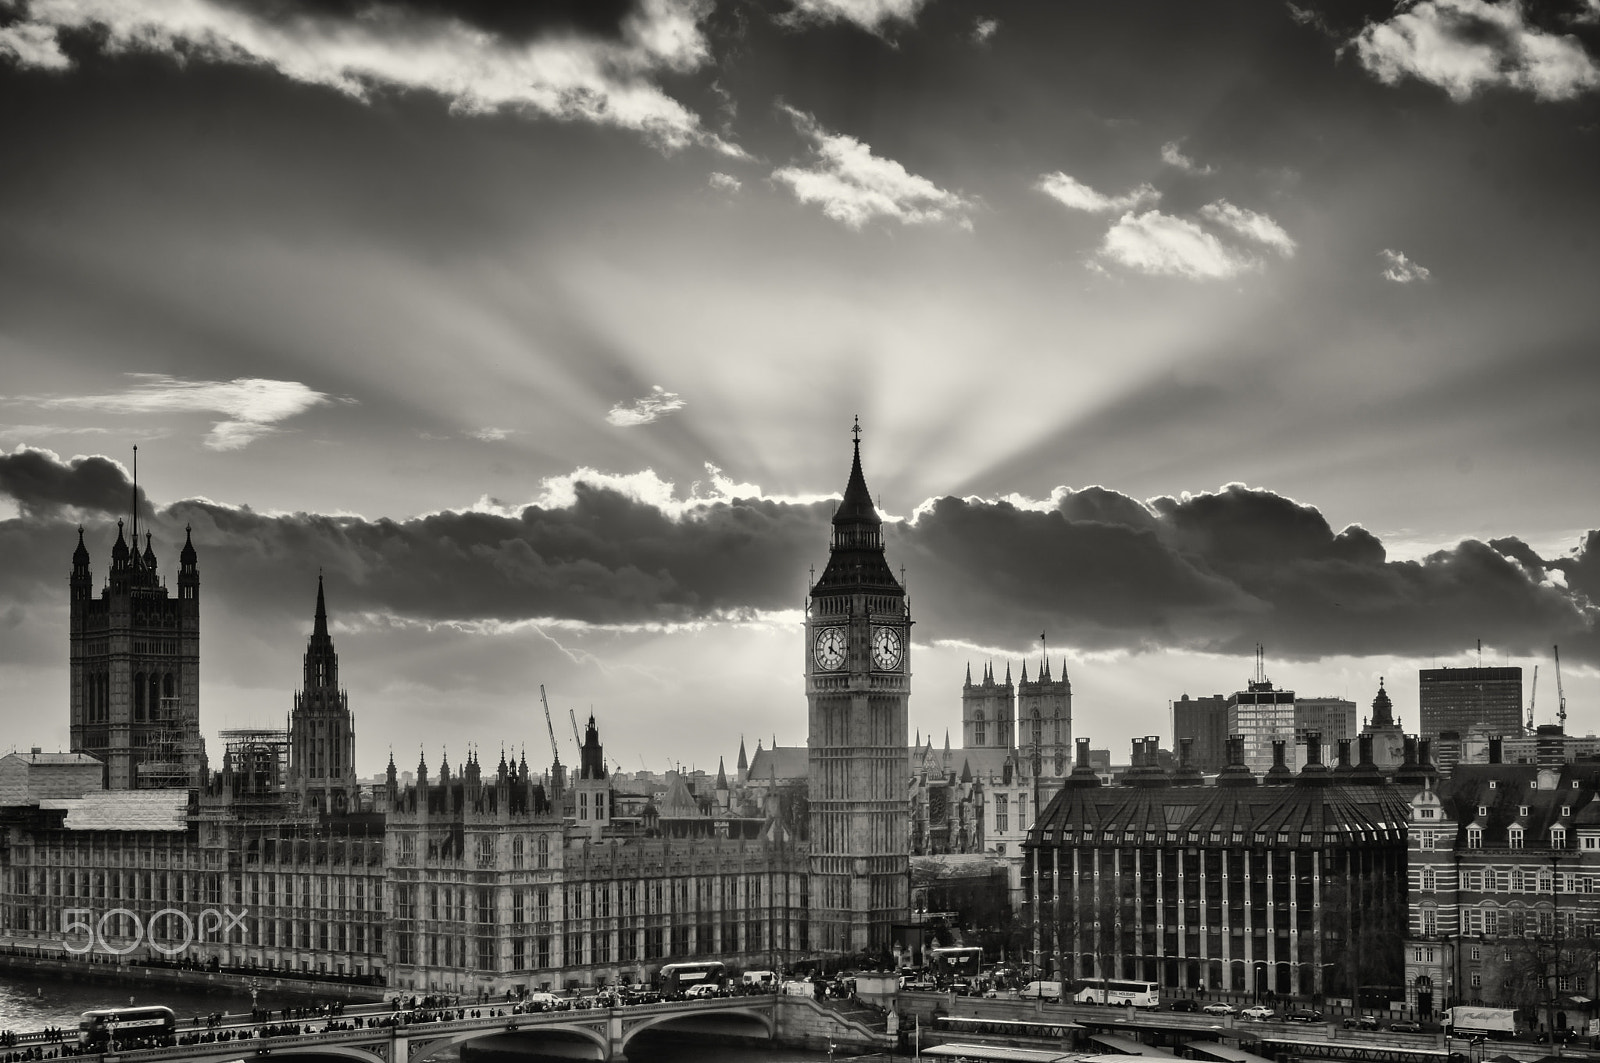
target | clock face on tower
[
  {"x": 828, "y": 650},
  {"x": 885, "y": 648}
]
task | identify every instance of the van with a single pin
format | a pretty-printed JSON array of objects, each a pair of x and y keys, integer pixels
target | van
[
  {"x": 1049, "y": 992},
  {"x": 764, "y": 979},
  {"x": 799, "y": 989}
]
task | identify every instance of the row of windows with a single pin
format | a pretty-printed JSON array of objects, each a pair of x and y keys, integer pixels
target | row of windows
[
  {"x": 483, "y": 851},
  {"x": 980, "y": 729},
  {"x": 1515, "y": 880}
]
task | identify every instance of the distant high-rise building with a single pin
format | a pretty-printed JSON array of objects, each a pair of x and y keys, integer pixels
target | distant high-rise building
[
  {"x": 1333, "y": 718},
  {"x": 1262, "y": 714},
  {"x": 1205, "y": 721},
  {"x": 1457, "y": 699}
]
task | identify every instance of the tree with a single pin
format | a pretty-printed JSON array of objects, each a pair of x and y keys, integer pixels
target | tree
[{"x": 1528, "y": 971}]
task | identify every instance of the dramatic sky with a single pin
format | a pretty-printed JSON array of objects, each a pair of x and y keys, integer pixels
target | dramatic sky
[{"x": 539, "y": 329}]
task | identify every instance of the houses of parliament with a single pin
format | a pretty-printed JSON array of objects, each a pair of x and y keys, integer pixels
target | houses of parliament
[{"x": 470, "y": 877}]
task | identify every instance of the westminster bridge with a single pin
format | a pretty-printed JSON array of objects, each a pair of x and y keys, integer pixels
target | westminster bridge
[
  {"x": 372, "y": 1033},
  {"x": 594, "y": 1033}
]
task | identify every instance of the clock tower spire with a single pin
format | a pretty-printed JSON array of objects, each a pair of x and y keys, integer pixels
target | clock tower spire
[{"x": 858, "y": 688}]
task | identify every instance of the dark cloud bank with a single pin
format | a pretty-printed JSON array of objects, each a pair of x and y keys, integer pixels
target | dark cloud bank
[{"x": 1215, "y": 571}]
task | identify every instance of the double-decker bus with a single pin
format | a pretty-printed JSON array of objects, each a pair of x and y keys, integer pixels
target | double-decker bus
[
  {"x": 1117, "y": 991},
  {"x": 125, "y": 1026},
  {"x": 957, "y": 961},
  {"x": 677, "y": 977}
]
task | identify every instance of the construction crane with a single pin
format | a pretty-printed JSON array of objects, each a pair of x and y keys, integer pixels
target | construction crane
[
  {"x": 555, "y": 750},
  {"x": 577, "y": 736},
  {"x": 1561, "y": 695},
  {"x": 1533, "y": 698}
]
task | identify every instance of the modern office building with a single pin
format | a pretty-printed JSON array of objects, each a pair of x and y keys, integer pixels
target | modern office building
[
  {"x": 1204, "y": 721},
  {"x": 1260, "y": 715},
  {"x": 1332, "y": 718},
  {"x": 1459, "y": 699},
  {"x": 1293, "y": 884}
]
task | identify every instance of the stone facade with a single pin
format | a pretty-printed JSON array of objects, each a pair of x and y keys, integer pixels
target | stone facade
[
  {"x": 1505, "y": 870},
  {"x": 134, "y": 679}
]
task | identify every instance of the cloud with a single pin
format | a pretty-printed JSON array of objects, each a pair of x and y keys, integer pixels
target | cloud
[
  {"x": 984, "y": 28},
  {"x": 362, "y": 49},
  {"x": 1466, "y": 46},
  {"x": 1400, "y": 269},
  {"x": 871, "y": 15},
  {"x": 726, "y": 182},
  {"x": 251, "y": 407},
  {"x": 43, "y": 486},
  {"x": 1212, "y": 572},
  {"x": 1249, "y": 224},
  {"x": 1307, "y": 16},
  {"x": 491, "y": 435},
  {"x": 854, "y": 186},
  {"x": 1162, "y": 245},
  {"x": 1172, "y": 154},
  {"x": 1073, "y": 193},
  {"x": 21, "y": 431},
  {"x": 33, "y": 44},
  {"x": 646, "y": 410}
]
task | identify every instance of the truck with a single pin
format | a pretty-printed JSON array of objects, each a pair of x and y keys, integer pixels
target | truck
[{"x": 1488, "y": 1022}]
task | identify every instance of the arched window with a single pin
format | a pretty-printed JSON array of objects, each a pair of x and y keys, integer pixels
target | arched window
[
  {"x": 1061, "y": 763},
  {"x": 169, "y": 687},
  {"x": 543, "y": 851},
  {"x": 138, "y": 697},
  {"x": 1058, "y": 739},
  {"x": 1038, "y": 729},
  {"x": 979, "y": 731}
]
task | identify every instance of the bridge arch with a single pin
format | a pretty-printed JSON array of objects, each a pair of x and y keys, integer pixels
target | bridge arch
[
  {"x": 755, "y": 1022},
  {"x": 357, "y": 1055},
  {"x": 423, "y": 1047}
]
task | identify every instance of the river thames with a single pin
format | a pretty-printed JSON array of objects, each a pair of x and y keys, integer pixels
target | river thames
[{"x": 33, "y": 1003}]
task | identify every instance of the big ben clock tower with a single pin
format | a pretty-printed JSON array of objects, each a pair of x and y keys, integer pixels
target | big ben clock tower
[{"x": 858, "y": 686}]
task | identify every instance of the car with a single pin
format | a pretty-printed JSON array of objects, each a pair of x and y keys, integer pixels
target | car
[
  {"x": 1405, "y": 1026},
  {"x": 541, "y": 1001},
  {"x": 1361, "y": 1022},
  {"x": 1219, "y": 1008},
  {"x": 701, "y": 990},
  {"x": 1183, "y": 1004},
  {"x": 639, "y": 995},
  {"x": 1259, "y": 1012},
  {"x": 1303, "y": 1015}
]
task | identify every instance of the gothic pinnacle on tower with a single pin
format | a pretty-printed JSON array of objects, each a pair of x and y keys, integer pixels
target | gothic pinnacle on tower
[
  {"x": 856, "y": 559},
  {"x": 319, "y": 622}
]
